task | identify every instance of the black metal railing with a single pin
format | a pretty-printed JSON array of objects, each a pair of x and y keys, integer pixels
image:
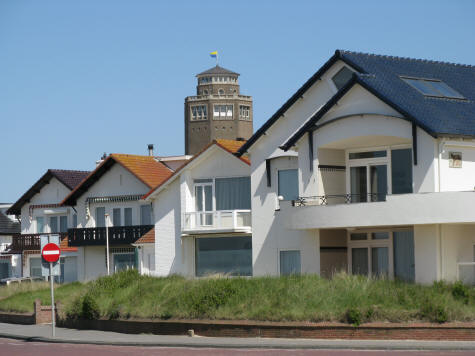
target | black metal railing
[
  {"x": 22, "y": 242},
  {"x": 333, "y": 199},
  {"x": 96, "y": 236}
]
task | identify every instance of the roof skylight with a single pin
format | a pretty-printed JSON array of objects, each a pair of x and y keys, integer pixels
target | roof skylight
[{"x": 433, "y": 87}]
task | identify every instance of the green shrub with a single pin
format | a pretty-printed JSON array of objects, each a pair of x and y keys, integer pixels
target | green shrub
[
  {"x": 461, "y": 292},
  {"x": 90, "y": 309},
  {"x": 434, "y": 312},
  {"x": 354, "y": 316}
]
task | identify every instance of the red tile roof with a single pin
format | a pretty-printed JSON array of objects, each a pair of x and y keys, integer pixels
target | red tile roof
[
  {"x": 145, "y": 168},
  {"x": 147, "y": 238},
  {"x": 230, "y": 146}
]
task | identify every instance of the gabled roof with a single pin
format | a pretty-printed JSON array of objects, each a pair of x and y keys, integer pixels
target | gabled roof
[
  {"x": 217, "y": 70},
  {"x": 145, "y": 168},
  {"x": 70, "y": 179},
  {"x": 230, "y": 146},
  {"x": 8, "y": 226},
  {"x": 147, "y": 238},
  {"x": 381, "y": 75}
]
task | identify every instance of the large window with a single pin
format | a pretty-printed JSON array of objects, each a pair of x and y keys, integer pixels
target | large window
[
  {"x": 199, "y": 113},
  {"x": 58, "y": 223},
  {"x": 35, "y": 267},
  {"x": 124, "y": 261},
  {"x": 244, "y": 112},
  {"x": 369, "y": 178},
  {"x": 223, "y": 255},
  {"x": 40, "y": 224},
  {"x": 382, "y": 253},
  {"x": 233, "y": 193},
  {"x": 116, "y": 217},
  {"x": 288, "y": 184},
  {"x": 127, "y": 216},
  {"x": 290, "y": 262},
  {"x": 101, "y": 216},
  {"x": 146, "y": 214},
  {"x": 223, "y": 112}
]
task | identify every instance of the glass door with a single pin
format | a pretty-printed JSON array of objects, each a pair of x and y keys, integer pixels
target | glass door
[
  {"x": 359, "y": 186},
  {"x": 378, "y": 182},
  {"x": 204, "y": 204}
]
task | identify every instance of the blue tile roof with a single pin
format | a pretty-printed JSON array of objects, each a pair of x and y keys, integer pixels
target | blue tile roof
[
  {"x": 438, "y": 116},
  {"x": 381, "y": 75}
]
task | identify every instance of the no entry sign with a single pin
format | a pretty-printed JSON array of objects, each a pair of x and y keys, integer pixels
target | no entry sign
[{"x": 51, "y": 252}]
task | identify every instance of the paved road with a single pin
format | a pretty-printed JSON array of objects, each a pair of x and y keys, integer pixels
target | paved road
[{"x": 25, "y": 348}]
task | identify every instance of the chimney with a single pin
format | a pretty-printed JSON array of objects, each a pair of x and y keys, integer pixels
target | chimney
[
  {"x": 150, "y": 149},
  {"x": 102, "y": 159}
]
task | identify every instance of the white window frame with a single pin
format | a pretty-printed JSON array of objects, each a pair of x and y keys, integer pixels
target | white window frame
[
  {"x": 121, "y": 253},
  {"x": 369, "y": 244},
  {"x": 201, "y": 117},
  {"x": 367, "y": 162},
  {"x": 225, "y": 117},
  {"x": 245, "y": 118}
]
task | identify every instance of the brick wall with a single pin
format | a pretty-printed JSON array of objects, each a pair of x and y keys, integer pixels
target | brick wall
[
  {"x": 42, "y": 313},
  {"x": 375, "y": 331}
]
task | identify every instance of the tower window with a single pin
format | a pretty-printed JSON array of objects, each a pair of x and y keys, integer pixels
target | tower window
[
  {"x": 244, "y": 112},
  {"x": 221, "y": 91},
  {"x": 223, "y": 112},
  {"x": 199, "y": 113}
]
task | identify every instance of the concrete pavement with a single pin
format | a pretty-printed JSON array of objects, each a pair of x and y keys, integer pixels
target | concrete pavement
[{"x": 42, "y": 333}]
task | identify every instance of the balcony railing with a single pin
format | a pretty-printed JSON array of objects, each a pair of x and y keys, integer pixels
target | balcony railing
[
  {"x": 333, "y": 199},
  {"x": 22, "y": 242},
  {"x": 225, "y": 220},
  {"x": 96, "y": 236},
  {"x": 217, "y": 96}
]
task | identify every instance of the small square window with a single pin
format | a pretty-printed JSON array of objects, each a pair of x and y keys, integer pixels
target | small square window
[{"x": 455, "y": 159}]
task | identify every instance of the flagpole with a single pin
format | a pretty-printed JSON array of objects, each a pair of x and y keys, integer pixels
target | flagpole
[{"x": 216, "y": 59}]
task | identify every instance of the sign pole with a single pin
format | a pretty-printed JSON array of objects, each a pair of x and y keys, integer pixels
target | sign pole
[{"x": 53, "y": 321}]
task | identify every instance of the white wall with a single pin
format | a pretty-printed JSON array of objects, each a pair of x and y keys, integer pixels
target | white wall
[
  {"x": 458, "y": 241},
  {"x": 52, "y": 193},
  {"x": 457, "y": 179},
  {"x": 174, "y": 253},
  {"x": 110, "y": 185},
  {"x": 91, "y": 262}
]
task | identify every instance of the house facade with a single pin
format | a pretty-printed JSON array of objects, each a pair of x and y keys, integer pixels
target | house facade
[
  {"x": 368, "y": 168},
  {"x": 109, "y": 206},
  {"x": 202, "y": 215},
  {"x": 40, "y": 213}
]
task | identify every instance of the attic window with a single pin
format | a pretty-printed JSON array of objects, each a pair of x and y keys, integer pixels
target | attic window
[
  {"x": 433, "y": 87},
  {"x": 342, "y": 77}
]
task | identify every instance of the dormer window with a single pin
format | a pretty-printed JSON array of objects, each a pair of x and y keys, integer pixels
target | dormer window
[
  {"x": 433, "y": 87},
  {"x": 342, "y": 77}
]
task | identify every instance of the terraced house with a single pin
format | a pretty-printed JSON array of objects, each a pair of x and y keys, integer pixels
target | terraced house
[{"x": 369, "y": 167}]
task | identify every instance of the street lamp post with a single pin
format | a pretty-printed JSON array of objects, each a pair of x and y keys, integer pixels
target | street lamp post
[{"x": 107, "y": 243}]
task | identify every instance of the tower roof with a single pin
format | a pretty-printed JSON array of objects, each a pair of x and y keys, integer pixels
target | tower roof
[{"x": 217, "y": 70}]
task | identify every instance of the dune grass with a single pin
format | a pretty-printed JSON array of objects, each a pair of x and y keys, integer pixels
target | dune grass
[{"x": 352, "y": 299}]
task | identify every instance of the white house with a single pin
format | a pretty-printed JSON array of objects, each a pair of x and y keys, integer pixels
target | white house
[
  {"x": 110, "y": 199},
  {"x": 202, "y": 215},
  {"x": 40, "y": 213},
  {"x": 373, "y": 159}
]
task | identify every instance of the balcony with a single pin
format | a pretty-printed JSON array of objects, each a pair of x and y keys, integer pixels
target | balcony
[
  {"x": 96, "y": 236},
  {"x": 22, "y": 242},
  {"x": 333, "y": 199},
  {"x": 394, "y": 210},
  {"x": 216, "y": 222},
  {"x": 216, "y": 96}
]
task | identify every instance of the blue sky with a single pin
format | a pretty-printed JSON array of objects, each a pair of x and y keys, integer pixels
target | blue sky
[{"x": 79, "y": 78}]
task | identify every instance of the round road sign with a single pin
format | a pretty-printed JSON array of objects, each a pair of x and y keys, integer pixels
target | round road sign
[{"x": 51, "y": 252}]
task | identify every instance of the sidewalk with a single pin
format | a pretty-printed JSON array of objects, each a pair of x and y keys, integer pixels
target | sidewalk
[{"x": 42, "y": 333}]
